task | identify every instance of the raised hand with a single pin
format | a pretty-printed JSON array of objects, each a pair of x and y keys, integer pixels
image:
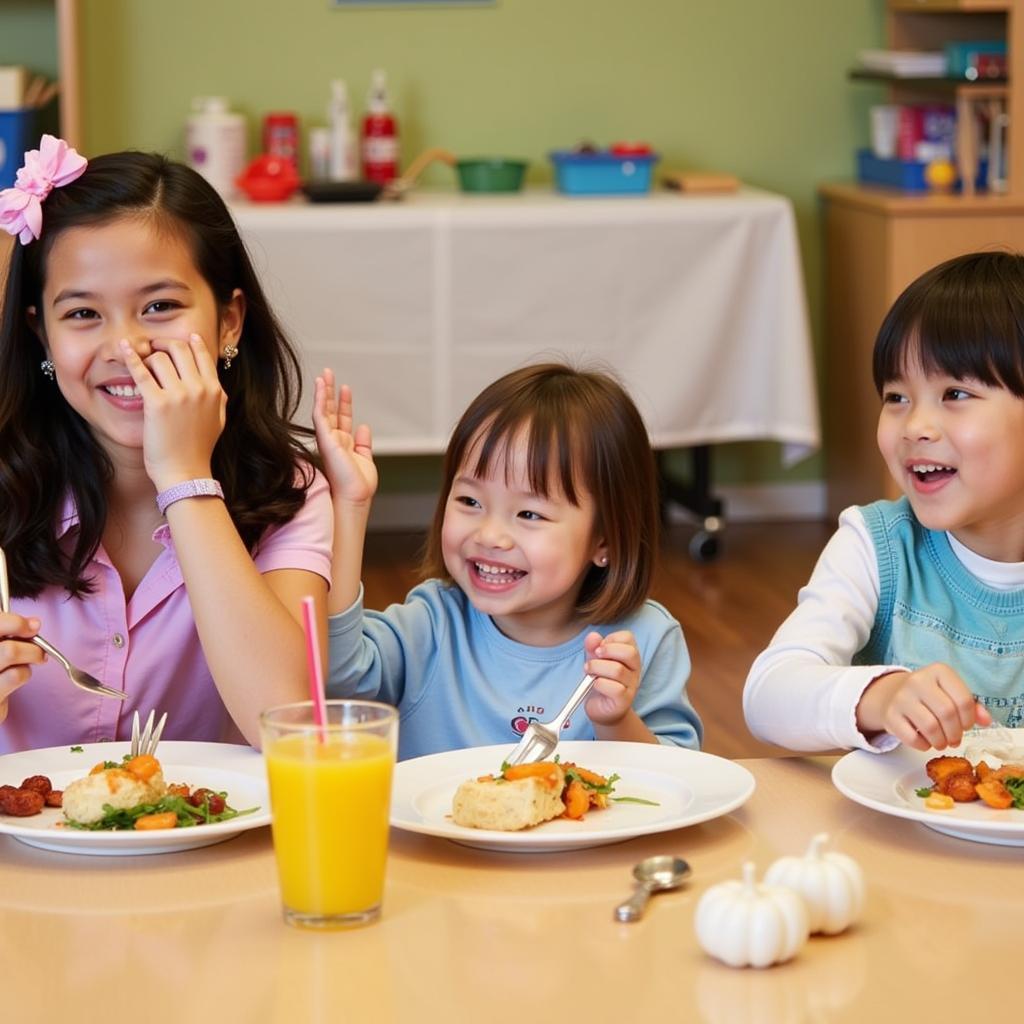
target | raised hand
[
  {"x": 615, "y": 661},
  {"x": 184, "y": 407},
  {"x": 930, "y": 707},
  {"x": 348, "y": 456}
]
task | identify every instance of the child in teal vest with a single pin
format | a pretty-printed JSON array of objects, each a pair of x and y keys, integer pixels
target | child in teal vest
[{"x": 911, "y": 628}]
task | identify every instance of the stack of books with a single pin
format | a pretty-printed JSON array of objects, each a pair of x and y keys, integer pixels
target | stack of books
[{"x": 904, "y": 63}]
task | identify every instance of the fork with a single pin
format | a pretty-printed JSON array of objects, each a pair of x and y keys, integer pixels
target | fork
[
  {"x": 146, "y": 743},
  {"x": 78, "y": 676},
  {"x": 541, "y": 738}
]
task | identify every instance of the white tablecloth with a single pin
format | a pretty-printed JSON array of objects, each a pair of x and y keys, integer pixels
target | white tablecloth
[{"x": 696, "y": 302}]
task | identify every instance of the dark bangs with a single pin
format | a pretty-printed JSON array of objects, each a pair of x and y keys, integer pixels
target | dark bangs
[
  {"x": 964, "y": 318},
  {"x": 557, "y": 453}
]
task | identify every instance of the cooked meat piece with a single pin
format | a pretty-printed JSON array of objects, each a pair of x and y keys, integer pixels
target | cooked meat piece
[
  {"x": 994, "y": 793},
  {"x": 39, "y": 783},
  {"x": 939, "y": 767},
  {"x": 20, "y": 803},
  {"x": 55, "y": 798},
  {"x": 961, "y": 786}
]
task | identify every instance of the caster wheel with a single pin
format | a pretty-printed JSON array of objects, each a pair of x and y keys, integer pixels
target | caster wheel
[{"x": 704, "y": 546}]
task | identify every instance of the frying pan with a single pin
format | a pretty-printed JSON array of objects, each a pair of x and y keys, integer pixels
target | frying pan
[{"x": 483, "y": 174}]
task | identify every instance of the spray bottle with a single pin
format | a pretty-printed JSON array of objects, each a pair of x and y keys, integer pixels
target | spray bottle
[
  {"x": 380, "y": 134},
  {"x": 342, "y": 151}
]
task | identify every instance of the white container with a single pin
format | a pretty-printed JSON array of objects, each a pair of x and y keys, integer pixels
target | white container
[
  {"x": 319, "y": 153},
  {"x": 342, "y": 160},
  {"x": 215, "y": 140}
]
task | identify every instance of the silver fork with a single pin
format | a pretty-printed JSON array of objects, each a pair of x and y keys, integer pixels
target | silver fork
[
  {"x": 541, "y": 738},
  {"x": 146, "y": 743},
  {"x": 78, "y": 676}
]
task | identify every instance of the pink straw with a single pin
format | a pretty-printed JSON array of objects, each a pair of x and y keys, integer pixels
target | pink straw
[{"x": 316, "y": 670}]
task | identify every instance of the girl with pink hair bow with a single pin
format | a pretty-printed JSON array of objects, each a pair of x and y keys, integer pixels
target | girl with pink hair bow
[{"x": 161, "y": 515}]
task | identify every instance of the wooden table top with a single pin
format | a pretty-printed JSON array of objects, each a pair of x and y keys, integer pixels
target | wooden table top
[{"x": 471, "y": 935}]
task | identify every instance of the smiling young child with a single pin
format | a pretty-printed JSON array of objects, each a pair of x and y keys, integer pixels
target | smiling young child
[
  {"x": 911, "y": 628},
  {"x": 538, "y": 561},
  {"x": 160, "y": 513}
]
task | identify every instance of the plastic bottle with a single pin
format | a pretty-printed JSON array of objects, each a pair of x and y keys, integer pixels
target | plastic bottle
[
  {"x": 380, "y": 134},
  {"x": 215, "y": 140},
  {"x": 342, "y": 160}
]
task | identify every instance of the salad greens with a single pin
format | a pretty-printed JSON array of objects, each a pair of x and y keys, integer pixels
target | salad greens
[{"x": 117, "y": 819}]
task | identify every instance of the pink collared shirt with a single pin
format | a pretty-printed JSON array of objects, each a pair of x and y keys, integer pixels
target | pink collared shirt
[{"x": 148, "y": 646}]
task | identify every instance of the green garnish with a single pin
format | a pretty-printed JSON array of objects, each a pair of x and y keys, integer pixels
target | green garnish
[
  {"x": 924, "y": 791},
  {"x": 635, "y": 800},
  {"x": 78, "y": 750},
  {"x": 608, "y": 788},
  {"x": 1016, "y": 790},
  {"x": 120, "y": 819}
]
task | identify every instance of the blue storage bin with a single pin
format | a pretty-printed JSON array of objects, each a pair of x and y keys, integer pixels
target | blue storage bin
[
  {"x": 580, "y": 174},
  {"x": 17, "y": 134},
  {"x": 907, "y": 175}
]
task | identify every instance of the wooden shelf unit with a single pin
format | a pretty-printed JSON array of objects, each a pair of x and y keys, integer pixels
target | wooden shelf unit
[{"x": 878, "y": 240}]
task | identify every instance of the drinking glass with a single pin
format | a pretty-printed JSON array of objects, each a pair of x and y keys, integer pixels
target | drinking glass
[{"x": 330, "y": 796}]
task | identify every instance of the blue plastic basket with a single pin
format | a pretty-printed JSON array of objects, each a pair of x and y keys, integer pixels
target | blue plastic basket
[
  {"x": 17, "y": 134},
  {"x": 580, "y": 174},
  {"x": 908, "y": 175}
]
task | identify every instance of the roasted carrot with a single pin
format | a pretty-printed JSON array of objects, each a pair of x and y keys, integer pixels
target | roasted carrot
[
  {"x": 150, "y": 822},
  {"x": 143, "y": 767},
  {"x": 548, "y": 771},
  {"x": 576, "y": 799}
]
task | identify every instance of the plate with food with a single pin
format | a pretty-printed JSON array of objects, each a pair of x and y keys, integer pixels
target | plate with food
[
  {"x": 97, "y": 799},
  {"x": 590, "y": 793},
  {"x": 974, "y": 792}
]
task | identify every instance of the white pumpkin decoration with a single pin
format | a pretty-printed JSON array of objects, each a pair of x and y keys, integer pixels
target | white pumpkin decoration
[
  {"x": 746, "y": 924},
  {"x": 831, "y": 883}
]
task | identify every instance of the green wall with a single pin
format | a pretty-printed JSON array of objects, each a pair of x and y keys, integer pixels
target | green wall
[{"x": 751, "y": 87}]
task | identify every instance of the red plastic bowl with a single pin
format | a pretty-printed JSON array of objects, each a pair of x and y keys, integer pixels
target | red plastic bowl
[
  {"x": 630, "y": 148},
  {"x": 268, "y": 179}
]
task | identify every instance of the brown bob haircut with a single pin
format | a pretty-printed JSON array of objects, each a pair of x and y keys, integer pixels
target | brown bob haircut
[{"x": 583, "y": 435}]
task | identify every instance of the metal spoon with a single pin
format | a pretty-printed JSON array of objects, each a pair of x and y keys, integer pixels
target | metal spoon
[{"x": 654, "y": 874}]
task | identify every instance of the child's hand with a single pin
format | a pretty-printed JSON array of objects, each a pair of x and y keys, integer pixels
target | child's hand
[
  {"x": 615, "y": 660},
  {"x": 16, "y": 654},
  {"x": 184, "y": 407},
  {"x": 930, "y": 707},
  {"x": 348, "y": 457}
]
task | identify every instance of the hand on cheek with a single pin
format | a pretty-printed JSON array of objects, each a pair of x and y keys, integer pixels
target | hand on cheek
[{"x": 184, "y": 407}]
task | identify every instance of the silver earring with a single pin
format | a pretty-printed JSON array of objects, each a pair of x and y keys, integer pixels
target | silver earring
[
  {"x": 230, "y": 351},
  {"x": 604, "y": 561},
  {"x": 48, "y": 368}
]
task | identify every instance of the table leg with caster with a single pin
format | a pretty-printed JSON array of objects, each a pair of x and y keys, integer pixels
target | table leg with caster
[{"x": 695, "y": 496}]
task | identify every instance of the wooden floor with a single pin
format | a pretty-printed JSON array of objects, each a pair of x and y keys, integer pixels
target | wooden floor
[{"x": 729, "y": 608}]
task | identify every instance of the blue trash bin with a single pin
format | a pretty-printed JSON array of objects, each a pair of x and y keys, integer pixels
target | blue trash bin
[{"x": 17, "y": 134}]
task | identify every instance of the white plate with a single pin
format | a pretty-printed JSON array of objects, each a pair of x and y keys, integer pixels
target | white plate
[
  {"x": 886, "y": 783},
  {"x": 236, "y": 770},
  {"x": 688, "y": 786}
]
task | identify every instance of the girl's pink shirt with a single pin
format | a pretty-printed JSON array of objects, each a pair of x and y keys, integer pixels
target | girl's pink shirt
[{"x": 148, "y": 646}]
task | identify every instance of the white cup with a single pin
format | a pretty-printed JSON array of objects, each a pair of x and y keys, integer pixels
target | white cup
[{"x": 885, "y": 127}]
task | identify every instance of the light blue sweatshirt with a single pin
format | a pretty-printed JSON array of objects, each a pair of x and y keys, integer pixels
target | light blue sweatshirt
[{"x": 459, "y": 682}]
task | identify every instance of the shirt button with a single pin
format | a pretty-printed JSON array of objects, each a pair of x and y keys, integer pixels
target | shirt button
[{"x": 118, "y": 640}]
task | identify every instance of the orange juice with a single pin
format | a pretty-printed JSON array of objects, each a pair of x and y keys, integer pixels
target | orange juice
[{"x": 329, "y": 801}]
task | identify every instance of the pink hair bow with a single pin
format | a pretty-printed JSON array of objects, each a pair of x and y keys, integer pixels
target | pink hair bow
[{"x": 50, "y": 166}]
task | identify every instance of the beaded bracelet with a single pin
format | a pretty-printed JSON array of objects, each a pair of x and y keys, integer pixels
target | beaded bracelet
[{"x": 188, "y": 489}]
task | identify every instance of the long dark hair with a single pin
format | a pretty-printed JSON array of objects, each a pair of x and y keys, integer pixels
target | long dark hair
[
  {"x": 582, "y": 432},
  {"x": 47, "y": 451},
  {"x": 964, "y": 318}
]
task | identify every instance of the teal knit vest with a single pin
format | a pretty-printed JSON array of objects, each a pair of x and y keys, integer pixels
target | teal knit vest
[{"x": 930, "y": 608}]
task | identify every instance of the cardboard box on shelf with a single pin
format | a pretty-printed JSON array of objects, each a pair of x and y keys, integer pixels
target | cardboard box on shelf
[{"x": 13, "y": 82}]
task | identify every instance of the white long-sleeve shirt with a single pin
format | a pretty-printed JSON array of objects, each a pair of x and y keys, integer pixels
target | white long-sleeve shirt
[{"x": 802, "y": 691}]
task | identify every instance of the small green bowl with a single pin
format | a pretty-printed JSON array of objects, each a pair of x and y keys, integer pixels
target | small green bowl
[{"x": 491, "y": 175}]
